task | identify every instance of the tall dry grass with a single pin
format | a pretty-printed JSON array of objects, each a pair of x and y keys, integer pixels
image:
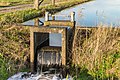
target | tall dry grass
[{"x": 98, "y": 50}]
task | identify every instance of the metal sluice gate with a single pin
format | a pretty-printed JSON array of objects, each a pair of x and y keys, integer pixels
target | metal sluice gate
[{"x": 49, "y": 56}]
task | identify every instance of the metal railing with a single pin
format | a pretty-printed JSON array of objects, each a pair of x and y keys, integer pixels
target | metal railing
[{"x": 72, "y": 16}]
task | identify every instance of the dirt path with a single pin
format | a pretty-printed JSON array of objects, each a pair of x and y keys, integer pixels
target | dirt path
[
  {"x": 21, "y": 7},
  {"x": 15, "y": 8}
]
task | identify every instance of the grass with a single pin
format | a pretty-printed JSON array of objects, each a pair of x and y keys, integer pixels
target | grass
[
  {"x": 21, "y": 16},
  {"x": 14, "y": 50},
  {"x": 12, "y": 0},
  {"x": 98, "y": 51},
  {"x": 3, "y": 69},
  {"x": 50, "y": 1},
  {"x": 6, "y": 3}
]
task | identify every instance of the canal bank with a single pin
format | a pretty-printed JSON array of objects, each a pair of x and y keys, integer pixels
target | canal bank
[{"x": 22, "y": 16}]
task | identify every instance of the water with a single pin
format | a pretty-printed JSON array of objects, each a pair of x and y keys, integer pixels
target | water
[
  {"x": 92, "y": 13},
  {"x": 96, "y": 12},
  {"x": 30, "y": 76}
]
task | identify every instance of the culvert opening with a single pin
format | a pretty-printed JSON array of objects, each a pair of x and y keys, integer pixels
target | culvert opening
[
  {"x": 49, "y": 46},
  {"x": 48, "y": 51}
]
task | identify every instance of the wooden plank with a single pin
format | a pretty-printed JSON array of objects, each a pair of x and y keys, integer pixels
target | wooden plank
[
  {"x": 64, "y": 47},
  {"x": 59, "y": 23},
  {"x": 32, "y": 51}
]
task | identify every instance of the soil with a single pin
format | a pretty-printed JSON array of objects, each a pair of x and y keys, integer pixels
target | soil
[{"x": 15, "y": 8}]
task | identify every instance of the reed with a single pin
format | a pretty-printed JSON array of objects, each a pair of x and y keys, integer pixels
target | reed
[{"x": 98, "y": 51}]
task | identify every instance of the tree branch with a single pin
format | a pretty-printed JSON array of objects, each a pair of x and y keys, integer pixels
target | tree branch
[{"x": 40, "y": 2}]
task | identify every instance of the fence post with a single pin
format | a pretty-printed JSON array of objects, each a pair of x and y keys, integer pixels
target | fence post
[
  {"x": 72, "y": 16},
  {"x": 36, "y": 4},
  {"x": 53, "y": 17},
  {"x": 53, "y": 2},
  {"x": 36, "y": 22},
  {"x": 46, "y": 16}
]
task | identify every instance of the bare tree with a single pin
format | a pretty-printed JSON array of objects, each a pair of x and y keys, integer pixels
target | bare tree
[{"x": 37, "y": 3}]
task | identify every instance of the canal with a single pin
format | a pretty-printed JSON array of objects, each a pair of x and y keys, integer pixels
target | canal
[{"x": 93, "y": 13}]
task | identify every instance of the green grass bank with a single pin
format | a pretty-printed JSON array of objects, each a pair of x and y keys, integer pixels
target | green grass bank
[{"x": 7, "y": 3}]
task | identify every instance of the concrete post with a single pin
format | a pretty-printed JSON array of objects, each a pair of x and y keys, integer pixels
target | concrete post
[
  {"x": 72, "y": 16},
  {"x": 46, "y": 16}
]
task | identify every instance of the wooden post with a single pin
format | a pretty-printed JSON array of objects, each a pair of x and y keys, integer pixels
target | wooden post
[
  {"x": 53, "y": 2},
  {"x": 36, "y": 4},
  {"x": 72, "y": 16},
  {"x": 46, "y": 16},
  {"x": 64, "y": 46},
  {"x": 32, "y": 50},
  {"x": 36, "y": 22},
  {"x": 53, "y": 17}
]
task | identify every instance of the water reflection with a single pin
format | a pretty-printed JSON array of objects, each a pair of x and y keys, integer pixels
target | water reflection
[{"x": 36, "y": 22}]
